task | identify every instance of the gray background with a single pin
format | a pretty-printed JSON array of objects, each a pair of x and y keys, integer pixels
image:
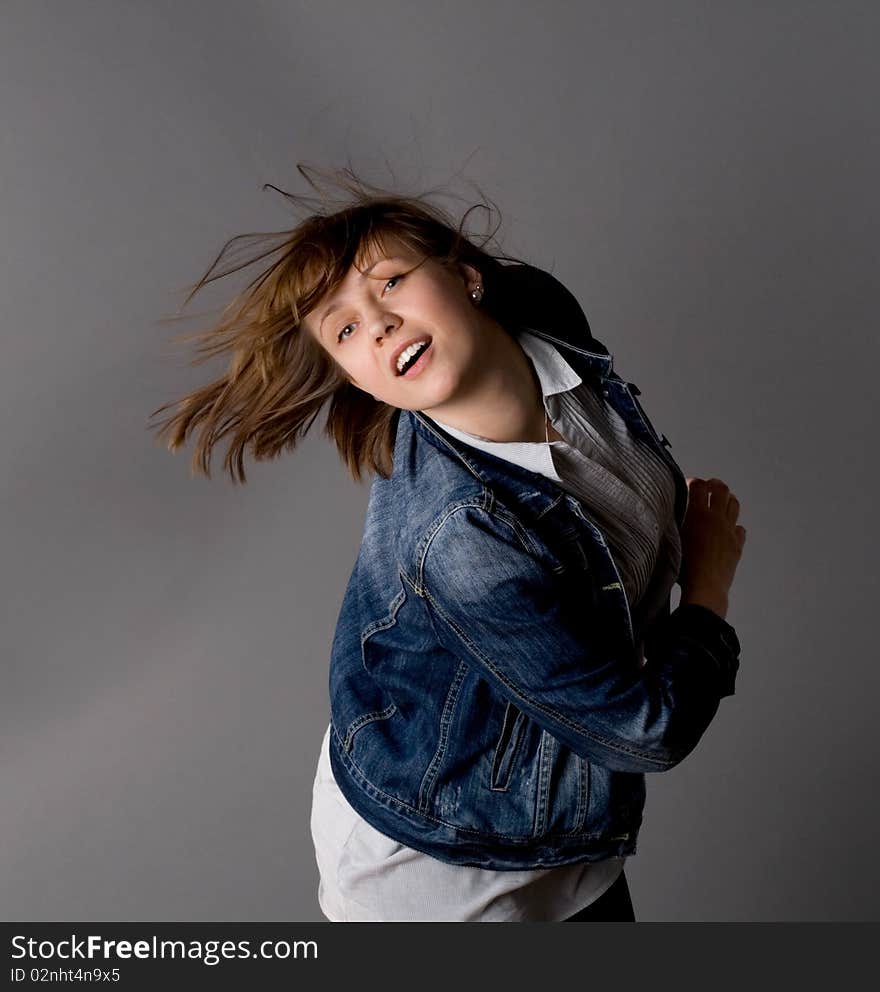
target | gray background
[{"x": 702, "y": 176}]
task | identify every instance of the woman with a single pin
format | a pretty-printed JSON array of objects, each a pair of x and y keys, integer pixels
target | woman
[{"x": 505, "y": 666}]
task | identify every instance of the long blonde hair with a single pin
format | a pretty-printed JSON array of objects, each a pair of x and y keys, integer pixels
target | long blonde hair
[{"x": 278, "y": 376}]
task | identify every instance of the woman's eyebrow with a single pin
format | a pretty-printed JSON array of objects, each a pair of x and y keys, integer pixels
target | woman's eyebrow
[{"x": 361, "y": 278}]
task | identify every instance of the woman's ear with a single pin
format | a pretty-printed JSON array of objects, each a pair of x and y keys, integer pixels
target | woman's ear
[{"x": 470, "y": 275}]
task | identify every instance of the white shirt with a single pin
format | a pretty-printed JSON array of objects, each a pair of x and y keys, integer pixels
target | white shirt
[{"x": 628, "y": 491}]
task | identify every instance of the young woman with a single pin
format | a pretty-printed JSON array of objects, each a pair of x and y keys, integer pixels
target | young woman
[{"x": 505, "y": 667}]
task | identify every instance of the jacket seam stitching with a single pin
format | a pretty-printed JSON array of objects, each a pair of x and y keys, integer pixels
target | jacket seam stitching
[
  {"x": 426, "y": 787},
  {"x": 363, "y": 720},
  {"x": 609, "y": 358},
  {"x": 488, "y": 504}
]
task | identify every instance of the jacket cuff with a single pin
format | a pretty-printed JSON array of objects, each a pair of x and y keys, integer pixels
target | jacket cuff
[{"x": 694, "y": 623}]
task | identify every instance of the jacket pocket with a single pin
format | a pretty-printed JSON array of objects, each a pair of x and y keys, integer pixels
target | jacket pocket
[{"x": 507, "y": 748}]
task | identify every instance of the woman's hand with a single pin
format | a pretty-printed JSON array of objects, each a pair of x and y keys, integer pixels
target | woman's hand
[{"x": 712, "y": 544}]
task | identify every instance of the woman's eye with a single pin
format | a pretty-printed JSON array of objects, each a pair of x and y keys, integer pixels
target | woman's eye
[{"x": 339, "y": 336}]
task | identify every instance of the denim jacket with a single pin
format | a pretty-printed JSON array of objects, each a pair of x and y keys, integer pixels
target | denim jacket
[{"x": 487, "y": 703}]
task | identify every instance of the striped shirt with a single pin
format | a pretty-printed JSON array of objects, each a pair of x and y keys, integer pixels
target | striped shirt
[{"x": 627, "y": 490}]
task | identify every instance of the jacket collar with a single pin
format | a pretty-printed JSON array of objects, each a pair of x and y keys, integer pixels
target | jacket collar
[{"x": 537, "y": 301}]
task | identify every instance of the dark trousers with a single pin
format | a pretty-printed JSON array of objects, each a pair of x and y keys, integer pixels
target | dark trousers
[{"x": 613, "y": 906}]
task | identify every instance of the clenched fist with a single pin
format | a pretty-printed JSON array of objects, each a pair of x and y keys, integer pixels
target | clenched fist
[{"x": 712, "y": 544}]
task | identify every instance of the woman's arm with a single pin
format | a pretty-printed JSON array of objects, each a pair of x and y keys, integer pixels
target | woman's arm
[{"x": 497, "y": 607}]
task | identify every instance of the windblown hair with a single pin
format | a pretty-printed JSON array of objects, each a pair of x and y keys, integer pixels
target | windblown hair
[{"x": 278, "y": 376}]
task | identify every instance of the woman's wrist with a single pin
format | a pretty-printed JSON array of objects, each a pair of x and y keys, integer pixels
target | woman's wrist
[{"x": 713, "y": 599}]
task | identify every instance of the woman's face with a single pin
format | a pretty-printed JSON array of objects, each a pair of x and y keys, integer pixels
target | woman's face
[{"x": 370, "y": 321}]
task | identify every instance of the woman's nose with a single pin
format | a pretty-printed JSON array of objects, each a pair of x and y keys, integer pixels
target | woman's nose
[{"x": 384, "y": 325}]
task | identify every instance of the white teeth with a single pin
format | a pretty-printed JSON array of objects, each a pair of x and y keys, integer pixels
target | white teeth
[{"x": 407, "y": 353}]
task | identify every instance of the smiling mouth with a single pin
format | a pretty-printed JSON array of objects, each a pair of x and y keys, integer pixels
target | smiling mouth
[{"x": 414, "y": 359}]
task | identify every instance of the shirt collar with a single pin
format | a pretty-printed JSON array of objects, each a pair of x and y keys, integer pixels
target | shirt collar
[{"x": 554, "y": 372}]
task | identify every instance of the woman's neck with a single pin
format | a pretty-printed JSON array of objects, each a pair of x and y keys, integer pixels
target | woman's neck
[{"x": 505, "y": 401}]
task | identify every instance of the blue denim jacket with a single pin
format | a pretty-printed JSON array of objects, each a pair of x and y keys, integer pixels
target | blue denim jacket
[{"x": 487, "y": 704}]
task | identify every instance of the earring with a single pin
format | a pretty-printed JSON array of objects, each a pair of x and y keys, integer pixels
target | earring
[{"x": 477, "y": 293}]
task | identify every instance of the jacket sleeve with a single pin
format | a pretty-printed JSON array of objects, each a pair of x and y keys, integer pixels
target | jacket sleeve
[{"x": 495, "y": 604}]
